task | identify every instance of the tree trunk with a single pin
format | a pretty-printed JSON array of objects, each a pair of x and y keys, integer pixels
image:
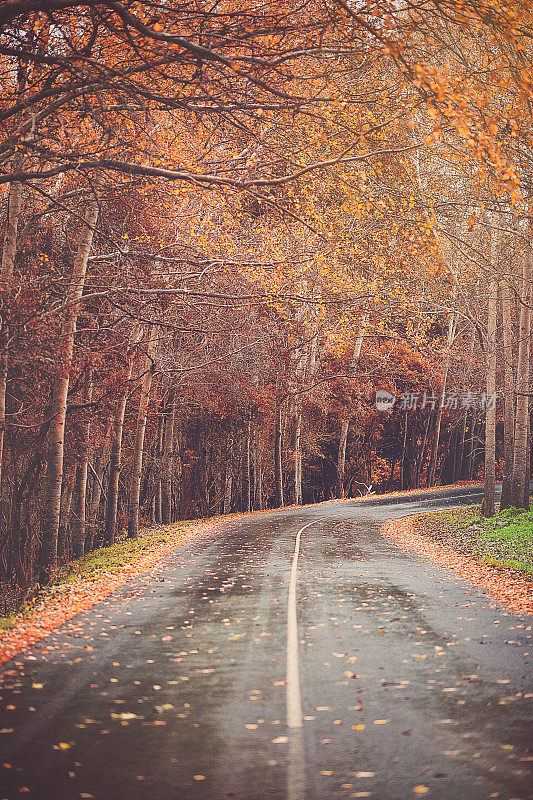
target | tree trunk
[
  {"x": 297, "y": 455},
  {"x": 278, "y": 454},
  {"x": 138, "y": 448},
  {"x": 390, "y": 482},
  {"x": 468, "y": 468},
  {"x": 157, "y": 461},
  {"x": 247, "y": 495},
  {"x": 402, "y": 462},
  {"x": 448, "y": 462},
  {"x": 80, "y": 484},
  {"x": 63, "y": 549},
  {"x": 460, "y": 450},
  {"x": 519, "y": 496},
  {"x": 258, "y": 478},
  {"x": 9, "y": 250},
  {"x": 509, "y": 396},
  {"x": 228, "y": 478},
  {"x": 345, "y": 425},
  {"x": 488, "y": 505},
  {"x": 528, "y": 459},
  {"x": 421, "y": 459},
  {"x": 10, "y": 236},
  {"x": 440, "y": 406},
  {"x": 54, "y": 475},
  {"x": 166, "y": 467},
  {"x": 99, "y": 474},
  {"x": 115, "y": 459}
]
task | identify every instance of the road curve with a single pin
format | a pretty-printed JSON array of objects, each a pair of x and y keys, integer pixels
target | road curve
[{"x": 295, "y": 655}]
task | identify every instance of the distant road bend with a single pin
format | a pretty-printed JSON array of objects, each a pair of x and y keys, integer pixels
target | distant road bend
[{"x": 294, "y": 655}]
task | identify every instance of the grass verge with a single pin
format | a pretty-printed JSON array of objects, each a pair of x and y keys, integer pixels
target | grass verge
[
  {"x": 108, "y": 560},
  {"x": 505, "y": 540},
  {"x": 91, "y": 579}
]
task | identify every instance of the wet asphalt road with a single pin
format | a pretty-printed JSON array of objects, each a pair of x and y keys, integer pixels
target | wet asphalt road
[{"x": 412, "y": 682}]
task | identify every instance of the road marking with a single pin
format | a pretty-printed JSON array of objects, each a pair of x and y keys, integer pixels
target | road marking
[
  {"x": 294, "y": 698},
  {"x": 296, "y": 767}
]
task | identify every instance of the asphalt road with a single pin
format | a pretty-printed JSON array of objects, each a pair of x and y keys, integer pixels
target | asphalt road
[{"x": 295, "y": 654}]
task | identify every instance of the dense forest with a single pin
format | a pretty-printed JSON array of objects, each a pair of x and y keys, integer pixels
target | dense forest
[{"x": 258, "y": 254}]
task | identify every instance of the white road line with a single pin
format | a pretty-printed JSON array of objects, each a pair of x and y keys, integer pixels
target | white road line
[{"x": 294, "y": 698}]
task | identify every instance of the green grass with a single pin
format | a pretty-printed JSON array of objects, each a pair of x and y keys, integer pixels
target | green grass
[
  {"x": 507, "y": 539},
  {"x": 504, "y": 540},
  {"x": 6, "y": 623},
  {"x": 110, "y": 560},
  {"x": 10, "y": 620}
]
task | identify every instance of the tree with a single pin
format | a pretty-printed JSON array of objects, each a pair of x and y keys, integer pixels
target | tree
[{"x": 54, "y": 476}]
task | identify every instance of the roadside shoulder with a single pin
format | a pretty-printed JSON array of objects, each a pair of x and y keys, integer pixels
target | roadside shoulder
[
  {"x": 440, "y": 539},
  {"x": 91, "y": 579}
]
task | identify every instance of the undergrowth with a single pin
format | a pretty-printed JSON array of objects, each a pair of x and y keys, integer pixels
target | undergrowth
[
  {"x": 98, "y": 563},
  {"x": 504, "y": 540}
]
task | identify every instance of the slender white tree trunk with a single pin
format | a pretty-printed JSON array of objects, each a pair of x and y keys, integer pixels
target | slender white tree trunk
[
  {"x": 509, "y": 395},
  {"x": 519, "y": 495},
  {"x": 67, "y": 490},
  {"x": 99, "y": 473},
  {"x": 228, "y": 479},
  {"x": 80, "y": 482},
  {"x": 9, "y": 250},
  {"x": 138, "y": 448},
  {"x": 345, "y": 425},
  {"x": 54, "y": 475},
  {"x": 247, "y": 489},
  {"x": 298, "y": 456},
  {"x": 278, "y": 453},
  {"x": 258, "y": 478},
  {"x": 158, "y": 459},
  {"x": 440, "y": 403},
  {"x": 166, "y": 470},
  {"x": 115, "y": 460},
  {"x": 490, "y": 409}
]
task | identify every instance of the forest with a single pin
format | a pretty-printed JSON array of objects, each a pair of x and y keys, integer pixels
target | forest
[{"x": 257, "y": 254}]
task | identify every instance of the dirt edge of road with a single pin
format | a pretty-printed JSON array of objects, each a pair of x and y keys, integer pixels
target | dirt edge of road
[
  {"x": 504, "y": 585},
  {"x": 61, "y": 602}
]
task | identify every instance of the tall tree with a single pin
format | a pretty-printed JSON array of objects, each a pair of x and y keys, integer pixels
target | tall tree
[
  {"x": 79, "y": 522},
  {"x": 343, "y": 438},
  {"x": 509, "y": 394},
  {"x": 520, "y": 482},
  {"x": 138, "y": 447},
  {"x": 56, "y": 436},
  {"x": 490, "y": 408}
]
